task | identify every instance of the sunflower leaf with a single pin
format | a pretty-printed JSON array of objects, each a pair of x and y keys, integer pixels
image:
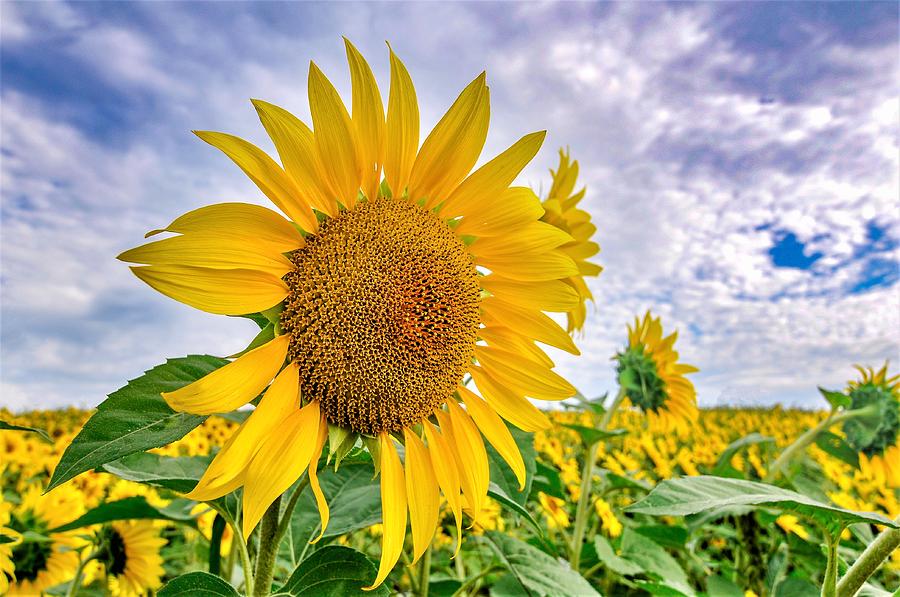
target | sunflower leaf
[
  {"x": 179, "y": 473},
  {"x": 503, "y": 476},
  {"x": 333, "y": 571},
  {"x": 131, "y": 508},
  {"x": 135, "y": 418},
  {"x": 591, "y": 436},
  {"x": 836, "y": 399},
  {"x": 40, "y": 432},
  {"x": 197, "y": 584}
]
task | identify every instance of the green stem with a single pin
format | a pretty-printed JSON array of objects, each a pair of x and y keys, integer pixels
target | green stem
[
  {"x": 289, "y": 510},
  {"x": 241, "y": 544},
  {"x": 268, "y": 550},
  {"x": 802, "y": 442},
  {"x": 868, "y": 562},
  {"x": 215, "y": 545},
  {"x": 582, "y": 511},
  {"x": 424, "y": 573},
  {"x": 76, "y": 582},
  {"x": 463, "y": 589},
  {"x": 830, "y": 582}
]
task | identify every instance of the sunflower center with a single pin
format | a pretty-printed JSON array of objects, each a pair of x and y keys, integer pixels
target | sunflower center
[
  {"x": 638, "y": 375},
  {"x": 113, "y": 553},
  {"x": 382, "y": 315}
]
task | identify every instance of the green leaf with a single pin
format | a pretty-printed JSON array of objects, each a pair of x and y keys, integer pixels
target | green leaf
[
  {"x": 724, "y": 461},
  {"x": 836, "y": 399},
  {"x": 591, "y": 436},
  {"x": 135, "y": 418},
  {"x": 607, "y": 555},
  {"x": 672, "y": 536},
  {"x": 796, "y": 587},
  {"x": 547, "y": 480},
  {"x": 130, "y": 509},
  {"x": 264, "y": 336},
  {"x": 197, "y": 584},
  {"x": 498, "y": 494},
  {"x": 257, "y": 318},
  {"x": 333, "y": 571},
  {"x": 538, "y": 573},
  {"x": 690, "y": 495},
  {"x": 503, "y": 476},
  {"x": 836, "y": 446},
  {"x": 614, "y": 481},
  {"x": 656, "y": 561},
  {"x": 179, "y": 473},
  {"x": 719, "y": 586},
  {"x": 40, "y": 432}
]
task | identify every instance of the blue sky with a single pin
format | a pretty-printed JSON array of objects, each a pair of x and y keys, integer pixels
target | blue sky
[{"x": 741, "y": 162}]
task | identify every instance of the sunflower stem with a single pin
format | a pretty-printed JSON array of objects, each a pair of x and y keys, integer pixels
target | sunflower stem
[
  {"x": 268, "y": 549},
  {"x": 79, "y": 572},
  {"x": 830, "y": 581},
  {"x": 215, "y": 545},
  {"x": 424, "y": 572},
  {"x": 801, "y": 443},
  {"x": 289, "y": 509},
  {"x": 241, "y": 544},
  {"x": 869, "y": 561},
  {"x": 582, "y": 511}
]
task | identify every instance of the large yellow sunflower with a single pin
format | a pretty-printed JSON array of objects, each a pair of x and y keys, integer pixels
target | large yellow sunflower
[
  {"x": 128, "y": 557},
  {"x": 384, "y": 295},
  {"x": 876, "y": 438},
  {"x": 653, "y": 378},
  {"x": 40, "y": 565},
  {"x": 561, "y": 210}
]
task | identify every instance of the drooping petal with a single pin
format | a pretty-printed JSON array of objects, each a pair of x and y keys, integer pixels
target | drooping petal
[
  {"x": 393, "y": 509},
  {"x": 219, "y": 291},
  {"x": 335, "y": 138},
  {"x": 551, "y": 295},
  {"x": 496, "y": 432},
  {"x": 321, "y": 502},
  {"x": 268, "y": 176},
  {"x": 445, "y": 471},
  {"x": 211, "y": 250},
  {"x": 402, "y": 135},
  {"x": 514, "y": 208},
  {"x": 530, "y": 323},
  {"x": 233, "y": 385},
  {"x": 245, "y": 220},
  {"x": 422, "y": 494},
  {"x": 453, "y": 147},
  {"x": 520, "y": 374},
  {"x": 280, "y": 461},
  {"x": 512, "y": 407},
  {"x": 227, "y": 470},
  {"x": 472, "y": 462},
  {"x": 488, "y": 182},
  {"x": 368, "y": 118}
]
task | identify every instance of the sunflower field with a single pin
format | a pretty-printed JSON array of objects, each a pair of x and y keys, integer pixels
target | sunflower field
[{"x": 397, "y": 426}]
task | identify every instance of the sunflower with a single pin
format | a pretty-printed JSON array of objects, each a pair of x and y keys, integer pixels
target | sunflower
[
  {"x": 8, "y": 540},
  {"x": 40, "y": 565},
  {"x": 561, "y": 210},
  {"x": 876, "y": 438},
  {"x": 652, "y": 377},
  {"x": 385, "y": 296},
  {"x": 128, "y": 556}
]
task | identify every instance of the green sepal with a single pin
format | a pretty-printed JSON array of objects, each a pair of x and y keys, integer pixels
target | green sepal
[
  {"x": 265, "y": 335},
  {"x": 375, "y": 450},
  {"x": 836, "y": 399}
]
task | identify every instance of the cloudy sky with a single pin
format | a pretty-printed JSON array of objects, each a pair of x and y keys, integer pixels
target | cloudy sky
[{"x": 741, "y": 164}]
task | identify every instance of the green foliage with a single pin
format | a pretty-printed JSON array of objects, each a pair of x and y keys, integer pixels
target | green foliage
[
  {"x": 179, "y": 473},
  {"x": 656, "y": 562},
  {"x": 502, "y": 475},
  {"x": 835, "y": 399},
  {"x": 40, "y": 432},
  {"x": 132, "y": 508},
  {"x": 332, "y": 571},
  {"x": 197, "y": 584},
  {"x": 590, "y": 435},
  {"x": 723, "y": 466}
]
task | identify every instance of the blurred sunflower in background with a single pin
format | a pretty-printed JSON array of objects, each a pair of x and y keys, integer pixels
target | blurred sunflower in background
[
  {"x": 561, "y": 210},
  {"x": 128, "y": 556},
  {"x": 382, "y": 296},
  {"x": 8, "y": 540},
  {"x": 876, "y": 437},
  {"x": 652, "y": 377},
  {"x": 39, "y": 565}
]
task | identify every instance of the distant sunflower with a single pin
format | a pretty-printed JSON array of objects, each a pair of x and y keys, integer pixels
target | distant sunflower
[
  {"x": 8, "y": 540},
  {"x": 876, "y": 438},
  {"x": 561, "y": 210},
  {"x": 128, "y": 552},
  {"x": 40, "y": 565},
  {"x": 383, "y": 296},
  {"x": 653, "y": 378}
]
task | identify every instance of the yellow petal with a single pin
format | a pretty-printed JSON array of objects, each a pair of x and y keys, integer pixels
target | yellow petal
[
  {"x": 321, "y": 502},
  {"x": 393, "y": 509},
  {"x": 507, "y": 339},
  {"x": 487, "y": 183},
  {"x": 227, "y": 470},
  {"x": 219, "y": 291},
  {"x": 402, "y": 135},
  {"x": 445, "y": 471},
  {"x": 496, "y": 432},
  {"x": 523, "y": 375},
  {"x": 532, "y": 238},
  {"x": 296, "y": 147},
  {"x": 368, "y": 118},
  {"x": 335, "y": 138},
  {"x": 472, "y": 462},
  {"x": 512, "y": 407},
  {"x": 582, "y": 250},
  {"x": 422, "y": 494},
  {"x": 553, "y": 265},
  {"x": 233, "y": 385},
  {"x": 280, "y": 461},
  {"x": 212, "y": 250},
  {"x": 268, "y": 176},
  {"x": 241, "y": 219},
  {"x": 454, "y": 145},
  {"x": 550, "y": 295},
  {"x": 515, "y": 207},
  {"x": 529, "y": 323}
]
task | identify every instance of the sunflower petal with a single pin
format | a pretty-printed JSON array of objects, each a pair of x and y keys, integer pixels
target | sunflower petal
[
  {"x": 514, "y": 208},
  {"x": 453, "y": 147},
  {"x": 533, "y": 238},
  {"x": 496, "y": 432},
  {"x": 447, "y": 476},
  {"x": 529, "y": 323},
  {"x": 219, "y": 291},
  {"x": 524, "y": 375},
  {"x": 553, "y": 265},
  {"x": 226, "y": 472},
  {"x": 512, "y": 407},
  {"x": 280, "y": 461},
  {"x": 368, "y": 118},
  {"x": 268, "y": 176},
  {"x": 393, "y": 508},
  {"x": 472, "y": 462},
  {"x": 422, "y": 494},
  {"x": 335, "y": 137},
  {"x": 321, "y": 502},
  {"x": 507, "y": 339},
  {"x": 550, "y": 295},
  {"x": 402, "y": 136}
]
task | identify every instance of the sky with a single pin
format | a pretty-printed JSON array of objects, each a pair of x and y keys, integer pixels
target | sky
[{"x": 740, "y": 160}]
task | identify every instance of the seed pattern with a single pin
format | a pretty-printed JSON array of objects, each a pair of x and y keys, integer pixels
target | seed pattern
[{"x": 382, "y": 314}]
